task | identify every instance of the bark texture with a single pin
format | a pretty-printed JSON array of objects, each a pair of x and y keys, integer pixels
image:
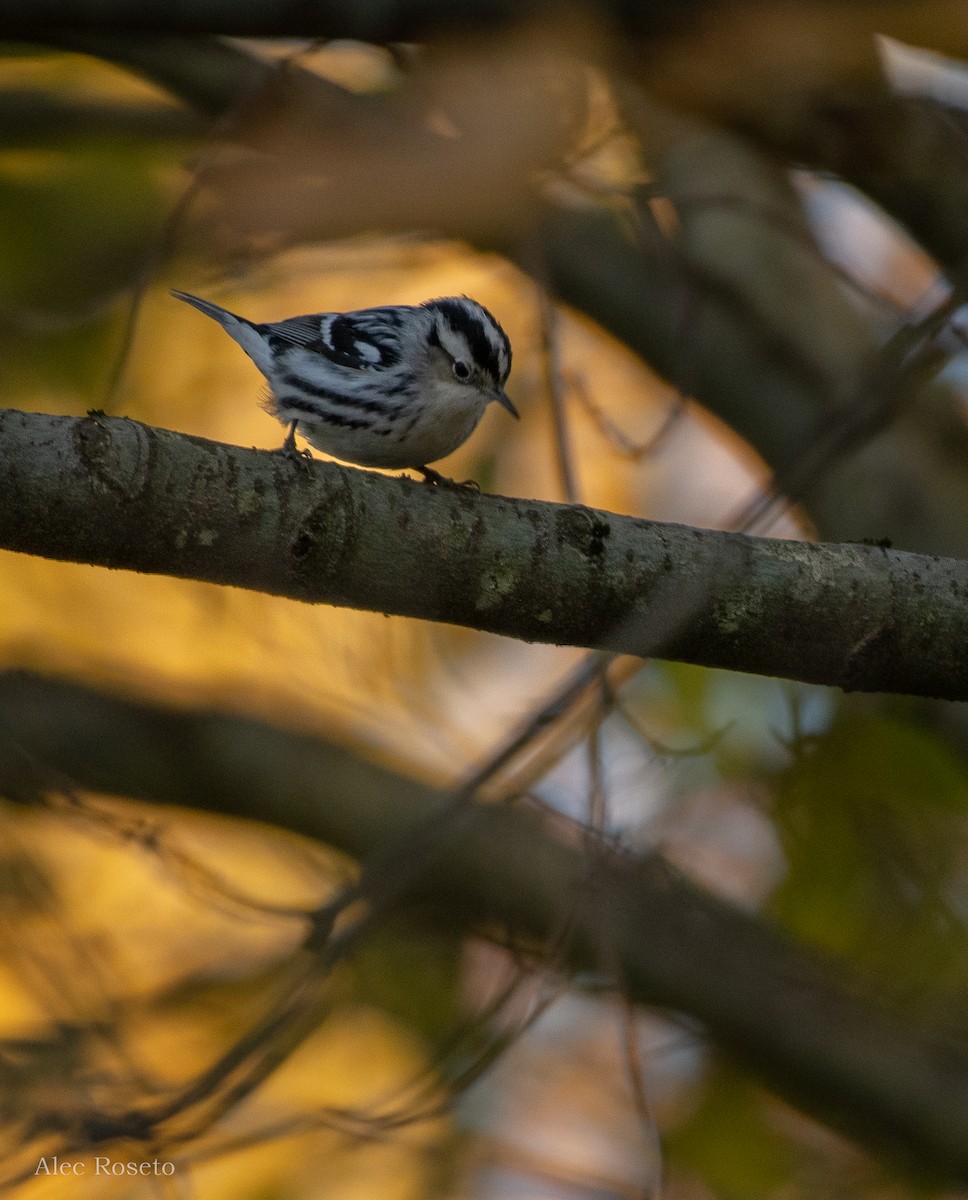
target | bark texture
[{"x": 117, "y": 493}]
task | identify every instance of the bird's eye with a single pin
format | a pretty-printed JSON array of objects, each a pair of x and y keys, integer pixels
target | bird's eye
[{"x": 461, "y": 370}]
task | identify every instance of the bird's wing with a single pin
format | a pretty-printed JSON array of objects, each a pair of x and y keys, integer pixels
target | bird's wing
[
  {"x": 299, "y": 331},
  {"x": 366, "y": 339}
]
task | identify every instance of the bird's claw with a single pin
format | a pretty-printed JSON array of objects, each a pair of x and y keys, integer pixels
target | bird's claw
[
  {"x": 288, "y": 449},
  {"x": 434, "y": 477},
  {"x": 300, "y": 458}
]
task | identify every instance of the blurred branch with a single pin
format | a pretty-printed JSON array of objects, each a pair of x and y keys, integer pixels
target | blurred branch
[
  {"x": 118, "y": 493},
  {"x": 375, "y": 21},
  {"x": 457, "y": 148},
  {"x": 755, "y": 61},
  {"x": 207, "y": 73},
  {"x": 790, "y": 1016},
  {"x": 32, "y": 116},
  {"x": 909, "y": 155},
  {"x": 934, "y": 23}
]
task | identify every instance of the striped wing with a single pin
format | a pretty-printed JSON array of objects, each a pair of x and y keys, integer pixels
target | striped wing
[{"x": 359, "y": 340}]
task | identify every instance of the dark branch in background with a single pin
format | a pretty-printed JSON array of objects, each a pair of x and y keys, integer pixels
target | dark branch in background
[
  {"x": 785, "y": 1013},
  {"x": 374, "y": 21},
  {"x": 907, "y": 154},
  {"x": 117, "y": 493},
  {"x": 31, "y": 117},
  {"x": 206, "y": 73}
]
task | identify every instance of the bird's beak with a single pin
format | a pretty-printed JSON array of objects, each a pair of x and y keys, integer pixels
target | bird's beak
[{"x": 502, "y": 398}]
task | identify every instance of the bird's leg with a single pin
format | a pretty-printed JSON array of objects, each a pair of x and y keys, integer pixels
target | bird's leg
[
  {"x": 438, "y": 480},
  {"x": 288, "y": 450}
]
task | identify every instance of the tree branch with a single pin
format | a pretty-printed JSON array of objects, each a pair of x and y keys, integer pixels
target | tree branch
[
  {"x": 784, "y": 1012},
  {"x": 117, "y": 493}
]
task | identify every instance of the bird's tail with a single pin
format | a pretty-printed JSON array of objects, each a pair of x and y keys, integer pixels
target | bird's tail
[{"x": 249, "y": 335}]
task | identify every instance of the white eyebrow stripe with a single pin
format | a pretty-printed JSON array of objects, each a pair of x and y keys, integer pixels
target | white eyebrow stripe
[{"x": 454, "y": 343}]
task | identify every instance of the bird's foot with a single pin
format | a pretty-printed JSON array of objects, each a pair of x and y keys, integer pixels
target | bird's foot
[
  {"x": 302, "y": 458},
  {"x": 434, "y": 477}
]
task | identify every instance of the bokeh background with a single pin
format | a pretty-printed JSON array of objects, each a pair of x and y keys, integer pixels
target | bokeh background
[{"x": 699, "y": 232}]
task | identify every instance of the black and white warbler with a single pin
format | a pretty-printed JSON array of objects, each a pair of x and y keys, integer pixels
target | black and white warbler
[{"x": 382, "y": 387}]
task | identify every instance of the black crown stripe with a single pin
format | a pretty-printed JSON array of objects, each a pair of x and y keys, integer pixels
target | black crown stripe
[{"x": 463, "y": 320}]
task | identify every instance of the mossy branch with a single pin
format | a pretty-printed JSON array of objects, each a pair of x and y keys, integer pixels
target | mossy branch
[{"x": 118, "y": 493}]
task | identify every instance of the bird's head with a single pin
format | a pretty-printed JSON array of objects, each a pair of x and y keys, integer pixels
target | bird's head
[{"x": 469, "y": 352}]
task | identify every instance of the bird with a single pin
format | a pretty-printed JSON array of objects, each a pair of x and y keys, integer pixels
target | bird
[{"x": 399, "y": 386}]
